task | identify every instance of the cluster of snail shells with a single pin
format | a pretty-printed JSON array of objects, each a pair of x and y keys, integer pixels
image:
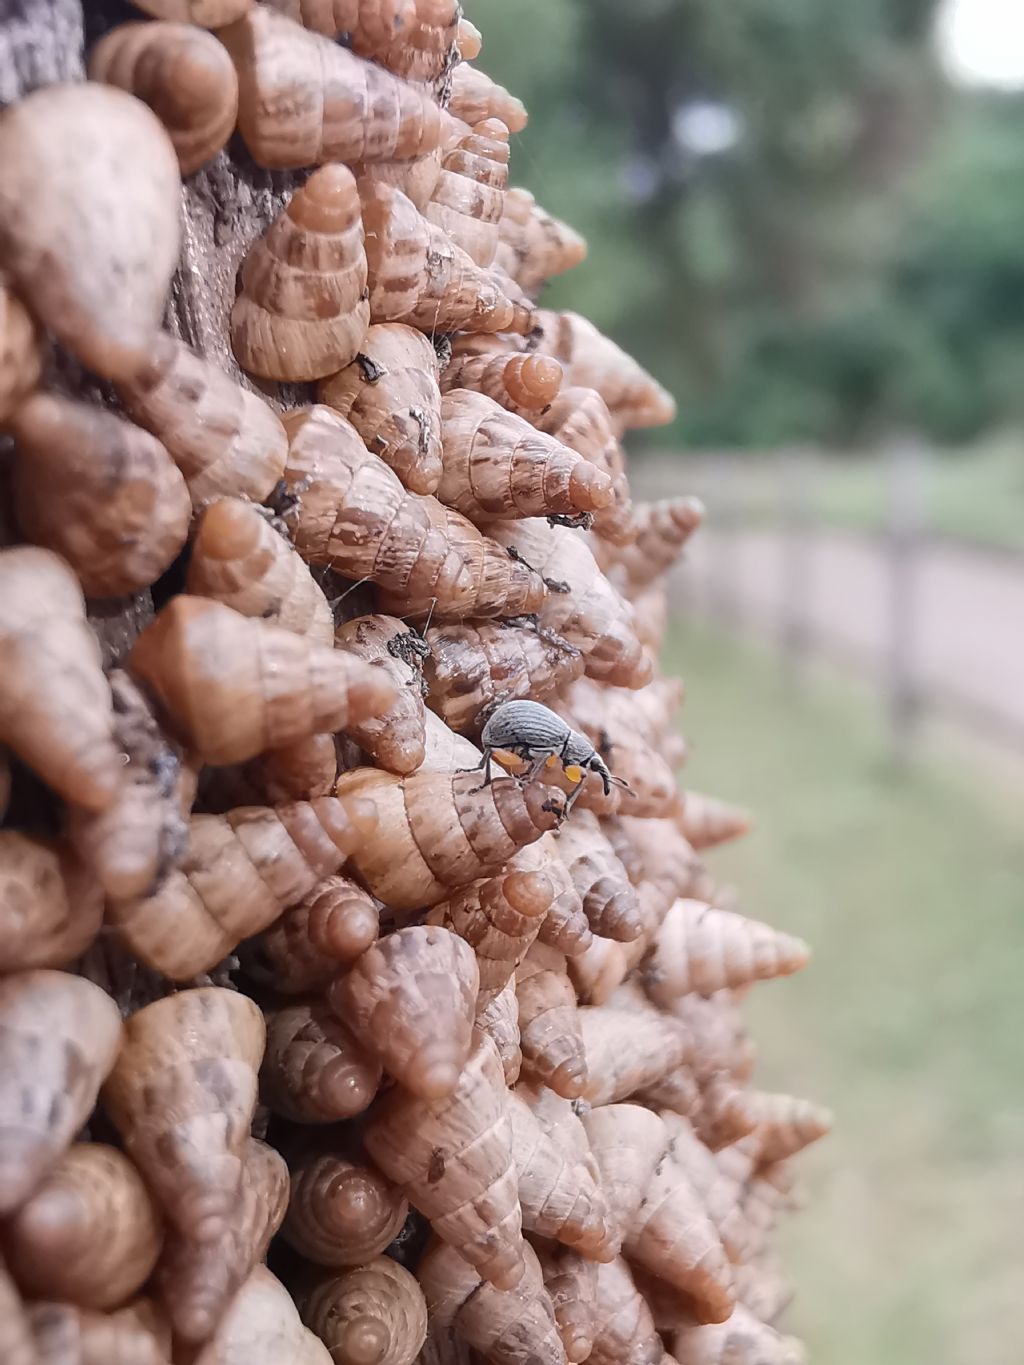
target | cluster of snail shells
[{"x": 280, "y": 979}]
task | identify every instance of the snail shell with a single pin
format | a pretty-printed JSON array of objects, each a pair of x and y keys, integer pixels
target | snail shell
[
  {"x": 101, "y": 492},
  {"x": 469, "y": 196},
  {"x": 368, "y": 24},
  {"x": 304, "y": 100},
  {"x": 303, "y": 310},
  {"x": 205, "y": 13},
  {"x": 89, "y": 228},
  {"x": 185, "y": 77},
  {"x": 419, "y": 52}
]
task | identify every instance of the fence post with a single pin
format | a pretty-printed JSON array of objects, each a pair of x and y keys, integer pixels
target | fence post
[
  {"x": 795, "y": 521},
  {"x": 906, "y": 465},
  {"x": 723, "y": 510}
]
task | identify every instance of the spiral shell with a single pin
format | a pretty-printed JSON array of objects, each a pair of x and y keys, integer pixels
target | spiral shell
[
  {"x": 372, "y": 1315},
  {"x": 419, "y": 276},
  {"x": 303, "y": 311},
  {"x": 185, "y": 77},
  {"x": 471, "y": 1194},
  {"x": 205, "y": 13},
  {"x": 496, "y": 465},
  {"x": 369, "y": 25},
  {"x": 182, "y": 1095},
  {"x": 89, "y": 231},
  {"x": 223, "y": 438},
  {"x": 592, "y": 360},
  {"x": 197, "y": 1280},
  {"x": 390, "y": 395},
  {"x": 314, "y": 1070},
  {"x": 55, "y": 706},
  {"x": 341, "y": 1212},
  {"x": 395, "y": 738},
  {"x": 101, "y": 492},
  {"x": 66, "y": 1335},
  {"x": 90, "y": 1233},
  {"x": 303, "y": 100},
  {"x": 416, "y": 179},
  {"x": 509, "y": 1326},
  {"x": 239, "y": 559},
  {"x": 469, "y": 40},
  {"x": 410, "y": 1000},
  {"x": 51, "y": 906},
  {"x": 475, "y": 96},
  {"x": 354, "y": 515},
  {"x": 469, "y": 196},
  {"x": 534, "y": 244},
  {"x": 421, "y": 50},
  {"x": 304, "y": 949},
  {"x": 524, "y": 384},
  {"x": 241, "y": 871},
  {"x": 59, "y": 1035}
]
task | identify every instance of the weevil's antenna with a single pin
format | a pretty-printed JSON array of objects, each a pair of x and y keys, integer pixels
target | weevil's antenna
[
  {"x": 422, "y": 630},
  {"x": 430, "y": 613}
]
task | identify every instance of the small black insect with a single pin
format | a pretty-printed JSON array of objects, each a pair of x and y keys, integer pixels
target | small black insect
[{"x": 534, "y": 733}]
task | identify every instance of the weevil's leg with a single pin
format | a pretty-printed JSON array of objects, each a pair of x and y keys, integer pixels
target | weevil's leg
[
  {"x": 485, "y": 763},
  {"x": 537, "y": 766},
  {"x": 574, "y": 793},
  {"x": 484, "y": 758}
]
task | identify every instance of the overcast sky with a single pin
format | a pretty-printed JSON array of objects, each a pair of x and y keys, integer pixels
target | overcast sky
[{"x": 982, "y": 41}]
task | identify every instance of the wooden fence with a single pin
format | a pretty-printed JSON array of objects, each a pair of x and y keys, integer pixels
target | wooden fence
[{"x": 938, "y": 628}]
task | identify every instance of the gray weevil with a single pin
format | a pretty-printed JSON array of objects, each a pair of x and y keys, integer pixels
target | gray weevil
[{"x": 535, "y": 733}]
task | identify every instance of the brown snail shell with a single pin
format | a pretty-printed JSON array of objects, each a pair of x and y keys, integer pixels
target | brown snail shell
[
  {"x": 303, "y": 311},
  {"x": 185, "y": 77},
  {"x": 205, "y": 13},
  {"x": 89, "y": 228}
]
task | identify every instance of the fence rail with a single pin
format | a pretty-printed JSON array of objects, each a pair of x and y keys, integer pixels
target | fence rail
[{"x": 938, "y": 628}]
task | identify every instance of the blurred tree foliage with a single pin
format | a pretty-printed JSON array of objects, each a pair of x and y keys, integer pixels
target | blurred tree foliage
[{"x": 792, "y": 221}]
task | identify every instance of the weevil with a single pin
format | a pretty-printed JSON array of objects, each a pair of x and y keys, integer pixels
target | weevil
[{"x": 536, "y": 734}]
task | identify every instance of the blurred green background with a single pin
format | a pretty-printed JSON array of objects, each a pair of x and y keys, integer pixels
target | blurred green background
[
  {"x": 794, "y": 221},
  {"x": 814, "y": 237}
]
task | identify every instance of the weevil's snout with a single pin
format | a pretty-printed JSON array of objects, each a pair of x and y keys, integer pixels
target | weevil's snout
[
  {"x": 598, "y": 765},
  {"x": 608, "y": 779}
]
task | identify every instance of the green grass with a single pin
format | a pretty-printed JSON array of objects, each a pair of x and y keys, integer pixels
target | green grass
[
  {"x": 909, "y": 1022},
  {"x": 975, "y": 496}
]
